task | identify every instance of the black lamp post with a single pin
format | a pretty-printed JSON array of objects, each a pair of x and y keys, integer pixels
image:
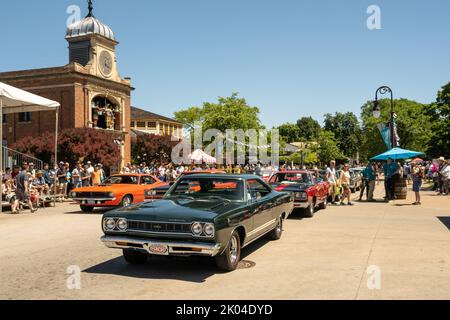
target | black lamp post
[{"x": 377, "y": 110}]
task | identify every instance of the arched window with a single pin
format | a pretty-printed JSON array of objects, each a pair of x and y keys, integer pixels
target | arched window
[{"x": 105, "y": 114}]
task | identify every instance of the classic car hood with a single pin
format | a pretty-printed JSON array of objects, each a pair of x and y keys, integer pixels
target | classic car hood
[
  {"x": 175, "y": 210},
  {"x": 293, "y": 187}
]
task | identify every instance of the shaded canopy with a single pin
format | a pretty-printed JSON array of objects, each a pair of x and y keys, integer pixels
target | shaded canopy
[
  {"x": 397, "y": 154},
  {"x": 200, "y": 156},
  {"x": 15, "y": 100}
]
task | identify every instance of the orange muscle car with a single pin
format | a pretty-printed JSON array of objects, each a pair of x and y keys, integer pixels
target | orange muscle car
[{"x": 119, "y": 190}]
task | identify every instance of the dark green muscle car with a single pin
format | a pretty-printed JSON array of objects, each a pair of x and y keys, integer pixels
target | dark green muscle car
[{"x": 209, "y": 215}]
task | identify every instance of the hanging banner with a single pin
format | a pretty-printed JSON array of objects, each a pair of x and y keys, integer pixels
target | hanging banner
[
  {"x": 385, "y": 134},
  {"x": 396, "y": 136}
]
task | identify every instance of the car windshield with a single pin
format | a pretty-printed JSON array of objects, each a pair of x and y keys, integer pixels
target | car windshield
[
  {"x": 208, "y": 188},
  {"x": 291, "y": 178},
  {"x": 122, "y": 180}
]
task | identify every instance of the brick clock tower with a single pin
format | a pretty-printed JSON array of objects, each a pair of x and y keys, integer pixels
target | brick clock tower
[{"x": 90, "y": 89}]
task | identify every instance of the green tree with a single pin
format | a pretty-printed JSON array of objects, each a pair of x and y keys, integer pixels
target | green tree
[
  {"x": 413, "y": 126},
  {"x": 228, "y": 113},
  {"x": 309, "y": 128},
  {"x": 439, "y": 113},
  {"x": 328, "y": 149},
  {"x": 290, "y": 132},
  {"x": 347, "y": 131}
]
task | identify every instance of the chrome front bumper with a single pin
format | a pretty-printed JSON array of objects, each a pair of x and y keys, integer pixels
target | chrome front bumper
[
  {"x": 173, "y": 247},
  {"x": 302, "y": 205}
]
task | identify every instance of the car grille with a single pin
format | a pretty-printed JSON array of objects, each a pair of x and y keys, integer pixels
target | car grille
[
  {"x": 93, "y": 195},
  {"x": 159, "y": 227}
]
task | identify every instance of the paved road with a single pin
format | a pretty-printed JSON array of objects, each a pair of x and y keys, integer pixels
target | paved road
[{"x": 326, "y": 257}]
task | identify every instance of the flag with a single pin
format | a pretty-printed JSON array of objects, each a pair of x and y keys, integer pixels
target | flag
[{"x": 385, "y": 132}]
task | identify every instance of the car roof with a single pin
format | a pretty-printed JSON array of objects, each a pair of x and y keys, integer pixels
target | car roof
[
  {"x": 294, "y": 171},
  {"x": 225, "y": 176},
  {"x": 212, "y": 171},
  {"x": 131, "y": 175}
]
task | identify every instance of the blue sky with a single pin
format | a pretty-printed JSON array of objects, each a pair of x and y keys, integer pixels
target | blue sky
[{"x": 291, "y": 58}]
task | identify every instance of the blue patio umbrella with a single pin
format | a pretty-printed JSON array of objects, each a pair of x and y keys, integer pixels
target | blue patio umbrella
[{"x": 397, "y": 154}]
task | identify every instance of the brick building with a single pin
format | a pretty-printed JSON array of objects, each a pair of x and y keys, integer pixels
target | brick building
[{"x": 90, "y": 89}]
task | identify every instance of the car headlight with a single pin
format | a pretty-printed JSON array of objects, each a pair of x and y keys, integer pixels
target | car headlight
[
  {"x": 110, "y": 224},
  {"x": 73, "y": 194},
  {"x": 209, "y": 229},
  {"x": 300, "y": 195},
  {"x": 197, "y": 228},
  {"x": 122, "y": 224}
]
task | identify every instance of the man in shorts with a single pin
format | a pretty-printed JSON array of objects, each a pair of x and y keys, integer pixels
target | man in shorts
[
  {"x": 23, "y": 188},
  {"x": 331, "y": 177}
]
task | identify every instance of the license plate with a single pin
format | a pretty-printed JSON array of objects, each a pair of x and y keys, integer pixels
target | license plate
[
  {"x": 91, "y": 202},
  {"x": 158, "y": 249}
]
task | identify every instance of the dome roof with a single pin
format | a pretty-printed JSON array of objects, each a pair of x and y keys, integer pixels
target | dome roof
[{"x": 89, "y": 25}]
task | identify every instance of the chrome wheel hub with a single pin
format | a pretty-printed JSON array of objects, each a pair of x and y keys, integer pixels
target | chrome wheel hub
[{"x": 233, "y": 250}]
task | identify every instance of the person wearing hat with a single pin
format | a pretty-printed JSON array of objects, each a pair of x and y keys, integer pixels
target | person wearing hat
[{"x": 40, "y": 185}]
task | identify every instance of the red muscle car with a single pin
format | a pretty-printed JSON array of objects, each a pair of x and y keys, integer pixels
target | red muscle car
[{"x": 309, "y": 191}]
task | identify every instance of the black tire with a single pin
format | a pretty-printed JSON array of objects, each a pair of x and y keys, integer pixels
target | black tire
[
  {"x": 134, "y": 257},
  {"x": 229, "y": 259},
  {"x": 309, "y": 212},
  {"x": 324, "y": 204},
  {"x": 276, "y": 233},
  {"x": 126, "y": 201},
  {"x": 86, "y": 209}
]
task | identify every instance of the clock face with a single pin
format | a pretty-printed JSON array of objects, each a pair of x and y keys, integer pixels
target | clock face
[{"x": 106, "y": 63}]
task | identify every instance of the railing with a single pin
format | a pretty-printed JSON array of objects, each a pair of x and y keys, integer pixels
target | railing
[{"x": 13, "y": 158}]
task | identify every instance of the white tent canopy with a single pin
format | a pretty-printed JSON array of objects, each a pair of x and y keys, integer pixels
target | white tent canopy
[
  {"x": 200, "y": 156},
  {"x": 14, "y": 100}
]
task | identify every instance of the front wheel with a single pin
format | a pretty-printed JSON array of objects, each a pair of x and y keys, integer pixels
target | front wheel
[
  {"x": 309, "y": 212},
  {"x": 276, "y": 233},
  {"x": 86, "y": 209},
  {"x": 230, "y": 258},
  {"x": 324, "y": 204},
  {"x": 126, "y": 201},
  {"x": 134, "y": 257}
]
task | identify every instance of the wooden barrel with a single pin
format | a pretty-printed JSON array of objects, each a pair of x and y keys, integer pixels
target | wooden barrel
[{"x": 400, "y": 189}]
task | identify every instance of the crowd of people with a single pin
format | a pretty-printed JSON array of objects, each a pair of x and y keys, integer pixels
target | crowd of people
[{"x": 27, "y": 186}]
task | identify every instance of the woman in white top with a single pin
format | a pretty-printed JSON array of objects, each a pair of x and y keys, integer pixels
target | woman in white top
[{"x": 345, "y": 182}]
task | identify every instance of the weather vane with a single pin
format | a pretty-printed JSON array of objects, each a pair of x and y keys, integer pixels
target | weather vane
[{"x": 90, "y": 8}]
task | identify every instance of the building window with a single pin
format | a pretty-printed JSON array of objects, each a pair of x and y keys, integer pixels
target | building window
[
  {"x": 152, "y": 125},
  {"x": 141, "y": 125},
  {"x": 25, "y": 117},
  {"x": 5, "y": 118},
  {"x": 133, "y": 124}
]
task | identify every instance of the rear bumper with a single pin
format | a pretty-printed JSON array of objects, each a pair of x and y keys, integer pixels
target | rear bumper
[{"x": 173, "y": 247}]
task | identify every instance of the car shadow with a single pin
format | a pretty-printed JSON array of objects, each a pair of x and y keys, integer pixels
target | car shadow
[
  {"x": 95, "y": 212},
  {"x": 190, "y": 269},
  {"x": 193, "y": 269}
]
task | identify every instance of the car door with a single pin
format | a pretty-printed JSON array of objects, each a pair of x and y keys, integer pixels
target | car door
[{"x": 263, "y": 199}]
